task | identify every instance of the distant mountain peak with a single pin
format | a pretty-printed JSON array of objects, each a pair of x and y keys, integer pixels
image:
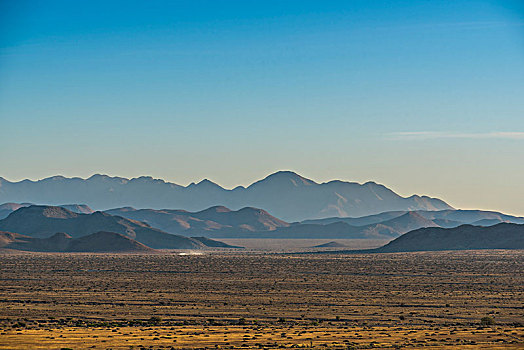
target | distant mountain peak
[
  {"x": 215, "y": 209},
  {"x": 285, "y": 177},
  {"x": 98, "y": 176},
  {"x": 107, "y": 179},
  {"x": 205, "y": 184}
]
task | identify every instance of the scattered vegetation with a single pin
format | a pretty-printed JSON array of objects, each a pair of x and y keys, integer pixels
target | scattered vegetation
[{"x": 323, "y": 302}]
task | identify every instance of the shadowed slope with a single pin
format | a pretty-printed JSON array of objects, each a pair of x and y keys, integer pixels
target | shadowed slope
[
  {"x": 332, "y": 244},
  {"x": 500, "y": 236},
  {"x": 61, "y": 242},
  {"x": 465, "y": 237}
]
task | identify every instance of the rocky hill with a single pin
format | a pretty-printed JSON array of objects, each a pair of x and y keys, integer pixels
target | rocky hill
[{"x": 43, "y": 221}]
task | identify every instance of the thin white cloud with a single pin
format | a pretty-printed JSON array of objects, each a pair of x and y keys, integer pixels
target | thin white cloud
[{"x": 428, "y": 135}]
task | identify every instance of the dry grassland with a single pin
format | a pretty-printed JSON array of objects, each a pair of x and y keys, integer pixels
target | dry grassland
[{"x": 415, "y": 300}]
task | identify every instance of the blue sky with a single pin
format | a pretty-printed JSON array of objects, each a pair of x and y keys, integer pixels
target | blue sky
[{"x": 423, "y": 96}]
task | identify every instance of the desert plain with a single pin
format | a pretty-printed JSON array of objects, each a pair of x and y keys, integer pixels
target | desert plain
[{"x": 430, "y": 300}]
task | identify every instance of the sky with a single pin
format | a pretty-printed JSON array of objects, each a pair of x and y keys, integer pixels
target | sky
[{"x": 425, "y": 97}]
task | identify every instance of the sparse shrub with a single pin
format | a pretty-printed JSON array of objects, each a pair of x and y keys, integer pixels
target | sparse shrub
[
  {"x": 155, "y": 320},
  {"x": 487, "y": 321}
]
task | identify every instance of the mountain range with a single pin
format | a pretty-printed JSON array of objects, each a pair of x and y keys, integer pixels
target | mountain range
[
  {"x": 284, "y": 194},
  {"x": 44, "y": 221},
  {"x": 221, "y": 222},
  {"x": 57, "y": 229},
  {"x": 444, "y": 218}
]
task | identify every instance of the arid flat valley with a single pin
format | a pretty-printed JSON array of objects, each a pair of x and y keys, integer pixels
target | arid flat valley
[{"x": 469, "y": 299}]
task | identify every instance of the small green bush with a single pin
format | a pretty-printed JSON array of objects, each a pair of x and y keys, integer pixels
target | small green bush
[{"x": 487, "y": 321}]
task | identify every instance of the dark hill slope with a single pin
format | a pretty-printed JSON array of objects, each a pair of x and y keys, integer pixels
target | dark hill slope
[
  {"x": 465, "y": 237},
  {"x": 61, "y": 242},
  {"x": 331, "y": 244},
  {"x": 107, "y": 242},
  {"x": 214, "y": 244}
]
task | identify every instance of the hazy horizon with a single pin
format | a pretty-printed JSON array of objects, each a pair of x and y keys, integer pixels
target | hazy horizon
[{"x": 425, "y": 97}]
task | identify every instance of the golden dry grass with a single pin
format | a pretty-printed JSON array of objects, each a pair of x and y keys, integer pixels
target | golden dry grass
[{"x": 248, "y": 337}]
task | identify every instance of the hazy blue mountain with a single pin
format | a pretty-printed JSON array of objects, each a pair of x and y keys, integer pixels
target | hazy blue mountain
[
  {"x": 487, "y": 222},
  {"x": 443, "y": 218},
  {"x": 8, "y": 208},
  {"x": 397, "y": 226},
  {"x": 284, "y": 194},
  {"x": 218, "y": 218},
  {"x": 359, "y": 221},
  {"x": 337, "y": 230},
  {"x": 471, "y": 216},
  {"x": 43, "y": 221},
  {"x": 221, "y": 222}
]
